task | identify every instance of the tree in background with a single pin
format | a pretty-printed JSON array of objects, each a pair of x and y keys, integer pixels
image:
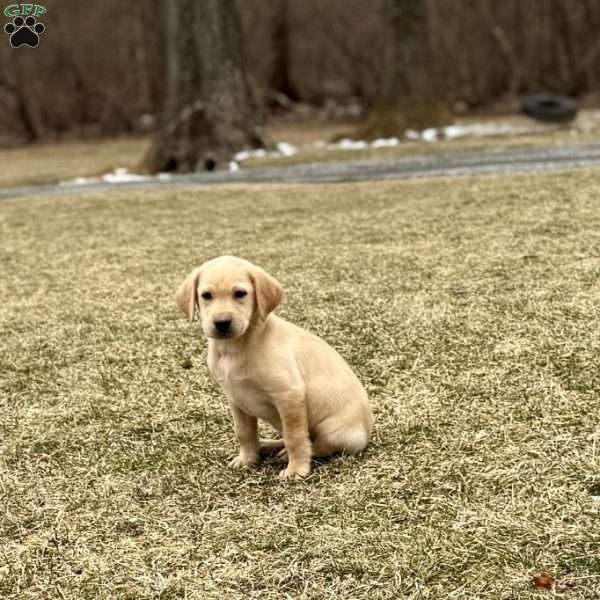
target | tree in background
[
  {"x": 485, "y": 54},
  {"x": 407, "y": 97},
  {"x": 210, "y": 109},
  {"x": 280, "y": 80}
]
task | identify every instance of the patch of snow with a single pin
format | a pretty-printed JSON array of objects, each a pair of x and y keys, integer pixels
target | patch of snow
[
  {"x": 246, "y": 154},
  {"x": 454, "y": 131},
  {"x": 79, "y": 181},
  {"x": 122, "y": 175},
  {"x": 119, "y": 175},
  {"x": 243, "y": 155},
  {"x": 286, "y": 149},
  {"x": 233, "y": 166},
  {"x": 429, "y": 135},
  {"x": 282, "y": 149},
  {"x": 476, "y": 130},
  {"x": 435, "y": 134},
  {"x": 484, "y": 129},
  {"x": 348, "y": 144},
  {"x": 385, "y": 142}
]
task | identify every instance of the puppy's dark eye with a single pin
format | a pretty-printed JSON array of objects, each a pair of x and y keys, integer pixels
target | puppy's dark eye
[
  {"x": 206, "y": 296},
  {"x": 240, "y": 293}
]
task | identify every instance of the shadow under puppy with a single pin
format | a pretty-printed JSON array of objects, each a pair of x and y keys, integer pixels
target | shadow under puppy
[{"x": 273, "y": 370}]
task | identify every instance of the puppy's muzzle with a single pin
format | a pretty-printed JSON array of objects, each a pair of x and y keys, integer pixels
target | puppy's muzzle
[{"x": 222, "y": 327}]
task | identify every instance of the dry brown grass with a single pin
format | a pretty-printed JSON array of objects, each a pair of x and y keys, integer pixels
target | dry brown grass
[
  {"x": 470, "y": 309},
  {"x": 51, "y": 163}
]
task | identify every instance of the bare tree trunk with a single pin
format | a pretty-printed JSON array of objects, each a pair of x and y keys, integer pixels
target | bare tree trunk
[
  {"x": 514, "y": 68},
  {"x": 210, "y": 109},
  {"x": 140, "y": 58},
  {"x": 405, "y": 33},
  {"x": 407, "y": 98},
  {"x": 281, "y": 73},
  {"x": 172, "y": 98},
  {"x": 29, "y": 108}
]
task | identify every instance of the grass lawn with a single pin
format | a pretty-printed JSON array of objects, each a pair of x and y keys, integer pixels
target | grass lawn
[
  {"x": 50, "y": 163},
  {"x": 469, "y": 308}
]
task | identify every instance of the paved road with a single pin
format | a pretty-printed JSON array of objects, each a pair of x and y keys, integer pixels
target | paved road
[{"x": 454, "y": 164}]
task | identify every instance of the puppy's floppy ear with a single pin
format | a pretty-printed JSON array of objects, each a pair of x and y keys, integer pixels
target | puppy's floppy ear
[
  {"x": 267, "y": 291},
  {"x": 187, "y": 294}
]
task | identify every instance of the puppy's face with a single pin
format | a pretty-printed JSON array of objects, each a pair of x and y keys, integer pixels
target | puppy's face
[
  {"x": 230, "y": 294},
  {"x": 226, "y": 302}
]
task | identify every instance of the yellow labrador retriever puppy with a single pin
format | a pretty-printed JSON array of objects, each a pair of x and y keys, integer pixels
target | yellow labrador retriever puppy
[{"x": 273, "y": 370}]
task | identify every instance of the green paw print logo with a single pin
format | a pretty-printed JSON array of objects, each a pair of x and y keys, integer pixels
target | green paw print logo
[{"x": 24, "y": 29}]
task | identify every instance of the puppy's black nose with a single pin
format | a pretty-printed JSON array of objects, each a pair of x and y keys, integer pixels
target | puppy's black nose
[{"x": 223, "y": 325}]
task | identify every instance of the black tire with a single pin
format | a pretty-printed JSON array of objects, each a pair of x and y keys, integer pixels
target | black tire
[{"x": 549, "y": 108}]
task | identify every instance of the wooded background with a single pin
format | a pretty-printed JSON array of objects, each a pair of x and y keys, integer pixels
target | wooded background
[{"x": 100, "y": 66}]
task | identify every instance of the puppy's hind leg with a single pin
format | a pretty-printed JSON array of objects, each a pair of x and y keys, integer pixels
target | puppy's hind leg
[{"x": 349, "y": 441}]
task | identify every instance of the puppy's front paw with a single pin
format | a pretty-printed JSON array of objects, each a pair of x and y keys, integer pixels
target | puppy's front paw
[
  {"x": 242, "y": 462},
  {"x": 295, "y": 471}
]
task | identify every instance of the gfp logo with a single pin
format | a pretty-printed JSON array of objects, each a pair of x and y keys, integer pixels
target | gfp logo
[{"x": 24, "y": 30}]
